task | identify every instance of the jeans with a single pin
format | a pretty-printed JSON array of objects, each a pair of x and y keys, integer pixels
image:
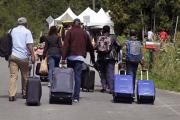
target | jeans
[
  {"x": 106, "y": 72},
  {"x": 77, "y": 67},
  {"x": 131, "y": 70},
  {"x": 53, "y": 61}
]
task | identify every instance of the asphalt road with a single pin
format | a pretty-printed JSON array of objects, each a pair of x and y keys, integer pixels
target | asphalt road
[{"x": 92, "y": 106}]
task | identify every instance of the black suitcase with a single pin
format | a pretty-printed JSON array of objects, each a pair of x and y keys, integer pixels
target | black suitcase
[
  {"x": 37, "y": 68},
  {"x": 34, "y": 90},
  {"x": 62, "y": 86},
  {"x": 87, "y": 79}
]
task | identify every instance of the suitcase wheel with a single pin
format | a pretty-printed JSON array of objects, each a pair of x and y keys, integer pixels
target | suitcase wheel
[
  {"x": 69, "y": 101},
  {"x": 140, "y": 101},
  {"x": 115, "y": 100},
  {"x": 50, "y": 100},
  {"x": 33, "y": 104},
  {"x": 66, "y": 101}
]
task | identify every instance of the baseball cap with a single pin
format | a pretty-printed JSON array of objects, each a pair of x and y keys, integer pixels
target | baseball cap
[
  {"x": 77, "y": 20},
  {"x": 22, "y": 20}
]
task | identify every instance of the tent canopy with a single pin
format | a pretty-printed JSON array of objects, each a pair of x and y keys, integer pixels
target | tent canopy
[
  {"x": 68, "y": 15},
  {"x": 87, "y": 16},
  {"x": 102, "y": 19}
]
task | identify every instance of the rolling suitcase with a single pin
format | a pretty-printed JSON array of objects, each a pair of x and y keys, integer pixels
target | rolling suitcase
[
  {"x": 43, "y": 78},
  {"x": 62, "y": 86},
  {"x": 123, "y": 88},
  {"x": 34, "y": 90},
  {"x": 87, "y": 79},
  {"x": 145, "y": 90}
]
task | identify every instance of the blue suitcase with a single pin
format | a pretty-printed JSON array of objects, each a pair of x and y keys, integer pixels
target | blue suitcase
[
  {"x": 145, "y": 90},
  {"x": 123, "y": 88}
]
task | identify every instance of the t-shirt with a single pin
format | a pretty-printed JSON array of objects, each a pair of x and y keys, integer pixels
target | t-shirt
[
  {"x": 21, "y": 36},
  {"x": 150, "y": 35},
  {"x": 163, "y": 36}
]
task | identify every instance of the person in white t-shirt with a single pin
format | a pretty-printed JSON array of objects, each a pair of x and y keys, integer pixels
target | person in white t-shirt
[
  {"x": 150, "y": 35},
  {"x": 22, "y": 49}
]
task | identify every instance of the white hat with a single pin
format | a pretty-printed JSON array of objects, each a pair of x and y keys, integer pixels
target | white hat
[{"x": 22, "y": 20}]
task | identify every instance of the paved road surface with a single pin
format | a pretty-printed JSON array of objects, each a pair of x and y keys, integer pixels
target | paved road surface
[{"x": 92, "y": 106}]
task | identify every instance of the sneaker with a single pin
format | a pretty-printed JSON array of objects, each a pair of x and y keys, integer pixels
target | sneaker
[
  {"x": 110, "y": 92},
  {"x": 12, "y": 98},
  {"x": 49, "y": 84},
  {"x": 24, "y": 96},
  {"x": 103, "y": 90},
  {"x": 75, "y": 100}
]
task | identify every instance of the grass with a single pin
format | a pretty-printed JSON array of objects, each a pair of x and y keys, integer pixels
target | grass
[{"x": 166, "y": 69}]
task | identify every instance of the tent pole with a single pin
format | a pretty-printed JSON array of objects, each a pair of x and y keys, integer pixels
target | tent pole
[{"x": 93, "y": 3}]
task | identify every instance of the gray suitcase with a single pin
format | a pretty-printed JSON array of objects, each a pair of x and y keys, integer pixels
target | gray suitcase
[{"x": 62, "y": 86}]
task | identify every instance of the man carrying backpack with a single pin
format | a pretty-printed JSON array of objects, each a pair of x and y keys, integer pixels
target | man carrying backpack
[
  {"x": 21, "y": 49},
  {"x": 107, "y": 49},
  {"x": 134, "y": 55}
]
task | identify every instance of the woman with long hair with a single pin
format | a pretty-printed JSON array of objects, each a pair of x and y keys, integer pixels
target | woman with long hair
[{"x": 52, "y": 51}]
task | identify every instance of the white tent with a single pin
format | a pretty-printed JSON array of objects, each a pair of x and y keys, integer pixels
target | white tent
[
  {"x": 52, "y": 23},
  {"x": 68, "y": 15},
  {"x": 101, "y": 19},
  {"x": 87, "y": 16}
]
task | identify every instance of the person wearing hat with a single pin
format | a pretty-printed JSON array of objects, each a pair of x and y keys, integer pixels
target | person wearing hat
[
  {"x": 21, "y": 50},
  {"x": 76, "y": 44}
]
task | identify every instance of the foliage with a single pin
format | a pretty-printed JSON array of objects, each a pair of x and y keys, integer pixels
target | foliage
[
  {"x": 126, "y": 14},
  {"x": 137, "y": 14}
]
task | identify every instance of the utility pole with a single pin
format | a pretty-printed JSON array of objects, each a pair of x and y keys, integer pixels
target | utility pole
[
  {"x": 94, "y": 4},
  {"x": 175, "y": 29}
]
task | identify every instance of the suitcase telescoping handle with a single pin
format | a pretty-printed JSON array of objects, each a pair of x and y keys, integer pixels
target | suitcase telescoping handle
[
  {"x": 122, "y": 70},
  {"x": 33, "y": 70},
  {"x": 63, "y": 64},
  {"x": 147, "y": 74}
]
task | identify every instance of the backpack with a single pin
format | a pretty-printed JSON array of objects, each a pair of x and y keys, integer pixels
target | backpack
[
  {"x": 104, "y": 44},
  {"x": 134, "y": 52},
  {"x": 6, "y": 45}
]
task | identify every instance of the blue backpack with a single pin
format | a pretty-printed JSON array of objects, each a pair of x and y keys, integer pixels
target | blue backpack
[{"x": 134, "y": 52}]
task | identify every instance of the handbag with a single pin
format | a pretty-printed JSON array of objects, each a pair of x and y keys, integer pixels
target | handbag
[{"x": 44, "y": 67}]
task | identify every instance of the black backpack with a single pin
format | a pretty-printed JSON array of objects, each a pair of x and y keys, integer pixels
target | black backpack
[{"x": 6, "y": 45}]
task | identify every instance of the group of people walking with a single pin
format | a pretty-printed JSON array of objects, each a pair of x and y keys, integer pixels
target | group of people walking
[{"x": 72, "y": 51}]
